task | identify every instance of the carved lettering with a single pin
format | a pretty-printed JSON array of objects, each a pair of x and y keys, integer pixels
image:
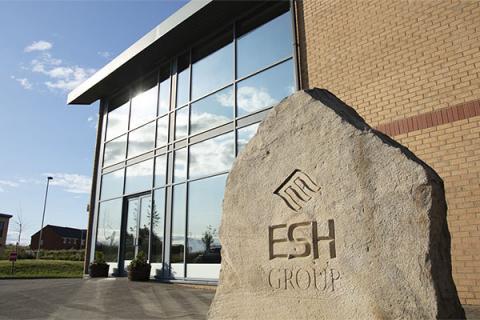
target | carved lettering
[
  {"x": 324, "y": 280},
  {"x": 297, "y": 190},
  {"x": 298, "y": 278},
  {"x": 299, "y": 240},
  {"x": 330, "y": 238},
  {"x": 272, "y": 241},
  {"x": 307, "y": 246}
]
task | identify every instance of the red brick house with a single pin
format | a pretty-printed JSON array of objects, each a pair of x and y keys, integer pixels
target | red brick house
[
  {"x": 59, "y": 238},
  {"x": 4, "y": 218}
]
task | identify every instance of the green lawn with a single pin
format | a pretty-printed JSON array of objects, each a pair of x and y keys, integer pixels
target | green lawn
[{"x": 42, "y": 269}]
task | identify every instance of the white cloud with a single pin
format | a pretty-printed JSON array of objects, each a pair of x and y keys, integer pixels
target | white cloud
[
  {"x": 104, "y": 54},
  {"x": 23, "y": 82},
  {"x": 7, "y": 183},
  {"x": 38, "y": 46},
  {"x": 61, "y": 76},
  {"x": 251, "y": 99},
  {"x": 71, "y": 182},
  {"x": 90, "y": 119}
]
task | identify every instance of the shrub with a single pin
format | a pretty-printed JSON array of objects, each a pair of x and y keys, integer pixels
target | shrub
[{"x": 140, "y": 261}]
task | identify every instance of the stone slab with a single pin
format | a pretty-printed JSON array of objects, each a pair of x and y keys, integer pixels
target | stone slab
[{"x": 325, "y": 218}]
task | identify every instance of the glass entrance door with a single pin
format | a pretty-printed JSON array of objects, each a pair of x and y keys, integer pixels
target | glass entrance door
[{"x": 137, "y": 228}]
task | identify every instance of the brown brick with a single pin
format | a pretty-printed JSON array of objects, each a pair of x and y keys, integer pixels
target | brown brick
[{"x": 405, "y": 59}]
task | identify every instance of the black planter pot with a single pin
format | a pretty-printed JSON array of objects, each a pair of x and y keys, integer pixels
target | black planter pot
[
  {"x": 140, "y": 273},
  {"x": 98, "y": 270}
]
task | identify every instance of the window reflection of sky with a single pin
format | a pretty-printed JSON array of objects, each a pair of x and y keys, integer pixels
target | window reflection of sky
[
  {"x": 144, "y": 107},
  {"x": 244, "y": 135},
  {"x": 112, "y": 184},
  {"x": 181, "y": 123},
  {"x": 212, "y": 111},
  {"x": 108, "y": 232},
  {"x": 257, "y": 49},
  {"x": 115, "y": 150},
  {"x": 183, "y": 88},
  {"x": 212, "y": 72},
  {"x": 180, "y": 170},
  {"x": 164, "y": 103},
  {"x": 265, "y": 89},
  {"x": 160, "y": 170},
  {"x": 265, "y": 45},
  {"x": 178, "y": 223},
  {"x": 141, "y": 140},
  {"x": 211, "y": 156},
  {"x": 204, "y": 211},
  {"x": 139, "y": 177},
  {"x": 162, "y": 131},
  {"x": 158, "y": 218},
  {"x": 117, "y": 121}
]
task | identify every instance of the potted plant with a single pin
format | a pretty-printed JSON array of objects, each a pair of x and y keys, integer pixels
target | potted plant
[
  {"x": 139, "y": 268},
  {"x": 98, "y": 268}
]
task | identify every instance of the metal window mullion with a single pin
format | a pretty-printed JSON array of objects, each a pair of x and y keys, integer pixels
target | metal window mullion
[
  {"x": 104, "y": 113},
  {"x": 235, "y": 147},
  {"x": 187, "y": 169},
  {"x": 170, "y": 171},
  {"x": 154, "y": 169},
  {"x": 296, "y": 68}
]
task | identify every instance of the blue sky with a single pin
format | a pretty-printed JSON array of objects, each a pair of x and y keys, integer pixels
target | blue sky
[{"x": 48, "y": 48}]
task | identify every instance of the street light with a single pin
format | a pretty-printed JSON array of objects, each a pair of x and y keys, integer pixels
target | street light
[{"x": 43, "y": 216}]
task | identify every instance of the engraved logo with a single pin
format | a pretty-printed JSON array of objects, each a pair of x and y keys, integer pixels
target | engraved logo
[{"x": 297, "y": 190}]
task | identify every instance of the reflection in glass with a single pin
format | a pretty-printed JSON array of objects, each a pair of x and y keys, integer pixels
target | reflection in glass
[
  {"x": 183, "y": 88},
  {"x": 131, "y": 228},
  {"x": 265, "y": 45},
  {"x": 141, "y": 140},
  {"x": 244, "y": 135},
  {"x": 144, "y": 224},
  {"x": 108, "y": 230},
  {"x": 160, "y": 170},
  {"x": 115, "y": 150},
  {"x": 204, "y": 211},
  {"x": 180, "y": 161},
  {"x": 162, "y": 131},
  {"x": 117, "y": 121},
  {"x": 212, "y": 111},
  {"x": 178, "y": 223},
  {"x": 181, "y": 123},
  {"x": 112, "y": 184},
  {"x": 164, "y": 103},
  {"x": 137, "y": 233},
  {"x": 212, "y": 72},
  {"x": 144, "y": 107},
  {"x": 156, "y": 253},
  {"x": 212, "y": 156},
  {"x": 265, "y": 89},
  {"x": 139, "y": 177}
]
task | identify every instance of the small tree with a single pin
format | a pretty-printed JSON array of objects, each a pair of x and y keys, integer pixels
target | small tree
[{"x": 208, "y": 237}]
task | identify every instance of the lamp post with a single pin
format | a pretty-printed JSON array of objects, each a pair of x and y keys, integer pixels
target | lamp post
[{"x": 43, "y": 217}]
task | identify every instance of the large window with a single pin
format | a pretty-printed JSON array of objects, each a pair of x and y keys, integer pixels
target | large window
[
  {"x": 174, "y": 135},
  {"x": 204, "y": 212},
  {"x": 108, "y": 231}
]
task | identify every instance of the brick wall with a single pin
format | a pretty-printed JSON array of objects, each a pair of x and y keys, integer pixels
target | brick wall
[
  {"x": 411, "y": 69},
  {"x": 453, "y": 150},
  {"x": 52, "y": 241}
]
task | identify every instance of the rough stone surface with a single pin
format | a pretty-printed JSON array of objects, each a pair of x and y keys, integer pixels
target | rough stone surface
[{"x": 325, "y": 218}]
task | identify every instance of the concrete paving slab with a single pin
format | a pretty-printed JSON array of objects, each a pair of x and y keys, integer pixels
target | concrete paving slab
[{"x": 111, "y": 298}]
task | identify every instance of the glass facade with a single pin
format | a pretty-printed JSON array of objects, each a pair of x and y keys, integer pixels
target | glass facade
[{"x": 170, "y": 141}]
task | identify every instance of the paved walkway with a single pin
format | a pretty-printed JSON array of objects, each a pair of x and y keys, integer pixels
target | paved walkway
[
  {"x": 101, "y": 299},
  {"x": 112, "y": 298}
]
